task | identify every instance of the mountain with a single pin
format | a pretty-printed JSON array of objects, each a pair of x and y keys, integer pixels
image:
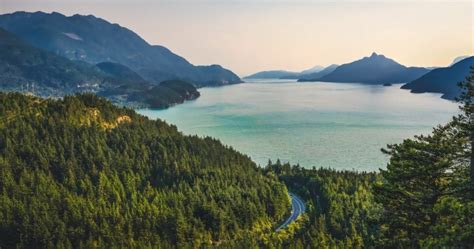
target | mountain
[
  {"x": 166, "y": 94},
  {"x": 216, "y": 75},
  {"x": 119, "y": 71},
  {"x": 376, "y": 69},
  {"x": 443, "y": 80},
  {"x": 315, "y": 76},
  {"x": 95, "y": 40},
  {"x": 283, "y": 74},
  {"x": 80, "y": 172},
  {"x": 273, "y": 74},
  {"x": 25, "y": 68},
  {"x": 138, "y": 90},
  {"x": 458, "y": 59},
  {"x": 314, "y": 69}
]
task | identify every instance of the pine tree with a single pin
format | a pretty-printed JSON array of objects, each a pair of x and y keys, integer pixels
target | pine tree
[
  {"x": 465, "y": 121},
  {"x": 427, "y": 189}
]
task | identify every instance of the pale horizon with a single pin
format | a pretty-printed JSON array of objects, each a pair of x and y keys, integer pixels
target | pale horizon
[{"x": 251, "y": 36}]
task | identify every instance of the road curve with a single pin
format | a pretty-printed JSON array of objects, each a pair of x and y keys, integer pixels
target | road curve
[{"x": 297, "y": 208}]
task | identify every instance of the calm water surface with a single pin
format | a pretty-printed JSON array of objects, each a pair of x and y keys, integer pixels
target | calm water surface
[{"x": 337, "y": 125}]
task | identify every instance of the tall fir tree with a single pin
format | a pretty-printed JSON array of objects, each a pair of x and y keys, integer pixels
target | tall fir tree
[{"x": 427, "y": 189}]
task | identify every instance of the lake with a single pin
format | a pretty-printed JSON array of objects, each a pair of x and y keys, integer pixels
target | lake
[{"x": 337, "y": 125}]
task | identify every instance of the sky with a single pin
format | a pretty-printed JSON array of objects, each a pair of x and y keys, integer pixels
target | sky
[{"x": 247, "y": 36}]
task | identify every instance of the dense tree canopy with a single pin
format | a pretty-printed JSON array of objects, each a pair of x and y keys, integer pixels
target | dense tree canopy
[
  {"x": 423, "y": 199},
  {"x": 79, "y": 172},
  {"x": 427, "y": 189},
  {"x": 341, "y": 211}
]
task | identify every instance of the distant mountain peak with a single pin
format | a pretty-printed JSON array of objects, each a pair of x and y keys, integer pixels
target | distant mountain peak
[
  {"x": 314, "y": 69},
  {"x": 284, "y": 74},
  {"x": 374, "y": 55},
  {"x": 54, "y": 13},
  {"x": 459, "y": 58},
  {"x": 376, "y": 69},
  {"x": 315, "y": 76}
]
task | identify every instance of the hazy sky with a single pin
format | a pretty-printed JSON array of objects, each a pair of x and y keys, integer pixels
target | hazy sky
[{"x": 252, "y": 35}]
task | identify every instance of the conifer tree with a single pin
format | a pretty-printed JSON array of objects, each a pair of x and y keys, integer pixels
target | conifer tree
[
  {"x": 465, "y": 121},
  {"x": 427, "y": 189}
]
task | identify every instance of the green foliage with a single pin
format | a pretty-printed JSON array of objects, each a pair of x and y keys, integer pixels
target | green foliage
[
  {"x": 465, "y": 121},
  {"x": 22, "y": 64},
  {"x": 340, "y": 208},
  {"x": 29, "y": 69},
  {"x": 168, "y": 93},
  {"x": 79, "y": 172},
  {"x": 427, "y": 188}
]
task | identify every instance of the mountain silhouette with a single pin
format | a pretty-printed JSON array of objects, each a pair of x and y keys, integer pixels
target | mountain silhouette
[
  {"x": 375, "y": 69},
  {"x": 94, "y": 40}
]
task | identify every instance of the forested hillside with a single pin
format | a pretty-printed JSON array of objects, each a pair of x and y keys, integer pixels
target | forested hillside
[
  {"x": 95, "y": 40},
  {"x": 423, "y": 199},
  {"x": 341, "y": 208},
  {"x": 25, "y": 68},
  {"x": 79, "y": 172},
  {"x": 427, "y": 190}
]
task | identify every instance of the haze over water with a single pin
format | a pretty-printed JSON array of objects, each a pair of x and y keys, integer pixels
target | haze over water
[{"x": 337, "y": 125}]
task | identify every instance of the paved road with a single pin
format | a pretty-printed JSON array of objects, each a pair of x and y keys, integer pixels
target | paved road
[{"x": 297, "y": 208}]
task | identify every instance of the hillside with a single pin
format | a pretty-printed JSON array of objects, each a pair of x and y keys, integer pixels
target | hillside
[
  {"x": 80, "y": 172},
  {"x": 25, "y": 68},
  {"x": 376, "y": 69},
  {"x": 119, "y": 71},
  {"x": 94, "y": 40},
  {"x": 168, "y": 93},
  {"x": 443, "y": 80},
  {"x": 342, "y": 213}
]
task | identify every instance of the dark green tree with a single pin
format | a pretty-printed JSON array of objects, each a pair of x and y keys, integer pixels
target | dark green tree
[
  {"x": 80, "y": 172},
  {"x": 426, "y": 190},
  {"x": 465, "y": 121}
]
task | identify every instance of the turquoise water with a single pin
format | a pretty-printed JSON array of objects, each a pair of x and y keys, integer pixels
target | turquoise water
[{"x": 337, "y": 125}]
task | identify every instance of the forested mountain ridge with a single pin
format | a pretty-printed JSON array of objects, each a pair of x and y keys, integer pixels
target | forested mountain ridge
[
  {"x": 80, "y": 172},
  {"x": 94, "y": 40},
  {"x": 28, "y": 69},
  {"x": 119, "y": 71},
  {"x": 23, "y": 66}
]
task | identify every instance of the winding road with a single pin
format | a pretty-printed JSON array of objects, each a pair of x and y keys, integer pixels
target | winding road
[{"x": 297, "y": 208}]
